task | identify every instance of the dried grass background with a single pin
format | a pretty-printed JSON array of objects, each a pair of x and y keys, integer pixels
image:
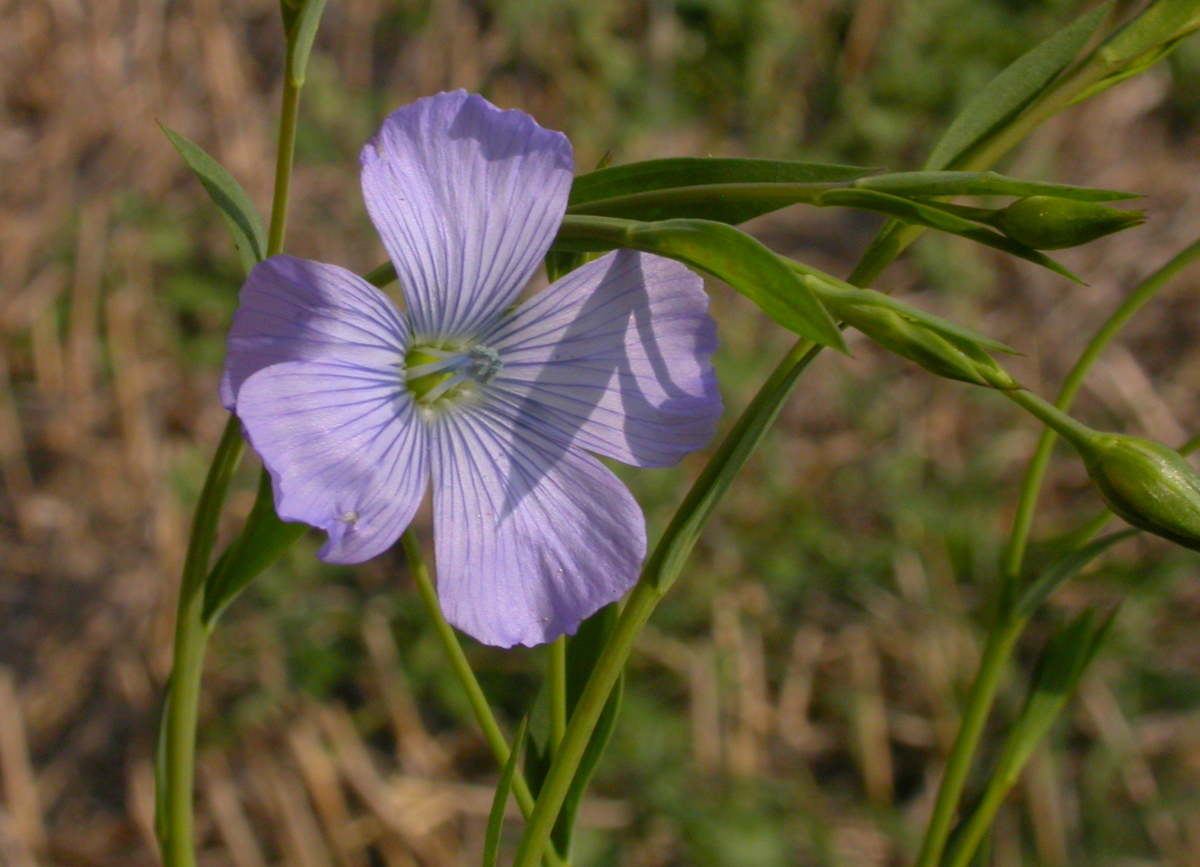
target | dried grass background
[{"x": 804, "y": 682}]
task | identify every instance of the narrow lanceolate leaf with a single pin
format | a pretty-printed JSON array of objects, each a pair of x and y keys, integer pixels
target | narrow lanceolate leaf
[
  {"x": 1012, "y": 90},
  {"x": 300, "y": 40},
  {"x": 244, "y": 223},
  {"x": 263, "y": 540},
  {"x": 601, "y": 734},
  {"x": 726, "y": 190},
  {"x": 934, "y": 216},
  {"x": 723, "y": 251},
  {"x": 491, "y": 840},
  {"x": 1064, "y": 570},
  {"x": 583, "y": 649},
  {"x": 925, "y": 184}
]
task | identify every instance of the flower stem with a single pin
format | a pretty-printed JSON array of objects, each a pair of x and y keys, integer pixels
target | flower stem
[
  {"x": 1031, "y": 486},
  {"x": 1014, "y": 554},
  {"x": 284, "y": 157},
  {"x": 177, "y": 772},
  {"x": 496, "y": 741},
  {"x": 174, "y": 821},
  {"x": 1000, "y": 642},
  {"x": 661, "y": 569},
  {"x": 556, "y": 678}
]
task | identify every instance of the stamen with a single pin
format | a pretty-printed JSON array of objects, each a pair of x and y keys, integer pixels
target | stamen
[{"x": 442, "y": 387}]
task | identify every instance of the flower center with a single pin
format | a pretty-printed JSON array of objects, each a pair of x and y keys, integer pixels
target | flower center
[{"x": 434, "y": 373}]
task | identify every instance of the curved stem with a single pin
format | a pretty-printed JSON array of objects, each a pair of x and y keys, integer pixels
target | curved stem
[
  {"x": 1031, "y": 485},
  {"x": 461, "y": 667},
  {"x": 177, "y": 774}
]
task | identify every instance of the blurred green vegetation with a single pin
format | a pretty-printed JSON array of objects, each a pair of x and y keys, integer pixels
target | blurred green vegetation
[
  {"x": 862, "y": 83},
  {"x": 794, "y": 698}
]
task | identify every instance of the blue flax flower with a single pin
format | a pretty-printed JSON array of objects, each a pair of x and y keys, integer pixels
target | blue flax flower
[{"x": 356, "y": 406}]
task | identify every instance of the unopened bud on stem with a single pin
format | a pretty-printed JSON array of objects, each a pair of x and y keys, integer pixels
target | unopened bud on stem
[
  {"x": 1051, "y": 223},
  {"x": 1149, "y": 485}
]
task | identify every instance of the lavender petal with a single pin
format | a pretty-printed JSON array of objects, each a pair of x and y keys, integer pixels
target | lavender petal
[
  {"x": 344, "y": 447},
  {"x": 617, "y": 358},
  {"x": 531, "y": 537},
  {"x": 467, "y": 199},
  {"x": 293, "y": 309}
]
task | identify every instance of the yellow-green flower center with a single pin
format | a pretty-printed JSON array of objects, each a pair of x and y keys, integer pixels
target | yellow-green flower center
[{"x": 433, "y": 372}]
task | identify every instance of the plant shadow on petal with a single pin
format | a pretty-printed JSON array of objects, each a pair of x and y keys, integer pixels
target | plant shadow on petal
[{"x": 591, "y": 373}]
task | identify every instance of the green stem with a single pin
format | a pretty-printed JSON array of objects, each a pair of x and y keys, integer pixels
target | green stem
[
  {"x": 461, "y": 667},
  {"x": 979, "y": 704},
  {"x": 284, "y": 156},
  {"x": 661, "y": 569},
  {"x": 1014, "y": 555},
  {"x": 1074, "y": 432},
  {"x": 671, "y": 552},
  {"x": 556, "y": 677},
  {"x": 174, "y": 806}
]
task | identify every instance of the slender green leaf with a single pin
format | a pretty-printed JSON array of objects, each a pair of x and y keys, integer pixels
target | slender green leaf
[
  {"x": 1062, "y": 665},
  {"x": 723, "y": 251},
  {"x": 678, "y": 172},
  {"x": 302, "y": 33},
  {"x": 835, "y": 293},
  {"x": 565, "y": 826},
  {"x": 495, "y": 823},
  {"x": 236, "y": 208},
  {"x": 1064, "y": 570},
  {"x": 583, "y": 649},
  {"x": 1161, "y": 24},
  {"x": 263, "y": 540},
  {"x": 924, "y": 184},
  {"x": 161, "y": 819},
  {"x": 932, "y": 215},
  {"x": 1006, "y": 95},
  {"x": 723, "y": 203},
  {"x": 537, "y": 763}
]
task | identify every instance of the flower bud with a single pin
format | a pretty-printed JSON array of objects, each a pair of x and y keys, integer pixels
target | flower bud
[
  {"x": 939, "y": 353},
  {"x": 1051, "y": 223},
  {"x": 1146, "y": 483}
]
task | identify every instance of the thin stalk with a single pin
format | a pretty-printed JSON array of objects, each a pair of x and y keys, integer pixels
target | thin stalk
[
  {"x": 556, "y": 677},
  {"x": 284, "y": 157},
  {"x": 183, "y": 696},
  {"x": 175, "y": 805},
  {"x": 1000, "y": 642},
  {"x": 496, "y": 741},
  {"x": 1014, "y": 555},
  {"x": 661, "y": 569}
]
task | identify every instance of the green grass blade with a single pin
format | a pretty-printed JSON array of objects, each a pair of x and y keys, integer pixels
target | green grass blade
[
  {"x": 1065, "y": 569},
  {"x": 235, "y": 206}
]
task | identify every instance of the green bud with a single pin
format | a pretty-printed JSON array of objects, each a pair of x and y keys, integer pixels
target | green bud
[
  {"x": 1051, "y": 223},
  {"x": 941, "y": 354},
  {"x": 1147, "y": 484}
]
